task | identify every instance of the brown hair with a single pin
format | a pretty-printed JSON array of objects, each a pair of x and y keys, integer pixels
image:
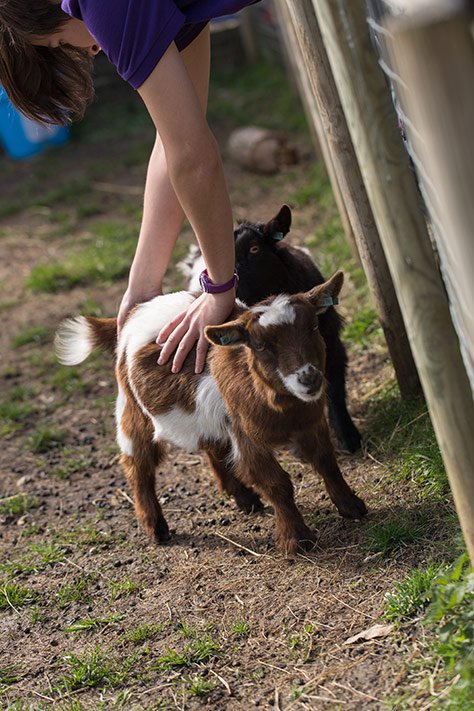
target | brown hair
[{"x": 47, "y": 84}]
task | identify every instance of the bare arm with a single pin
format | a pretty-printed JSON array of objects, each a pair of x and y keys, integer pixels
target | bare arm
[
  {"x": 162, "y": 220},
  {"x": 162, "y": 212},
  {"x": 174, "y": 96}
]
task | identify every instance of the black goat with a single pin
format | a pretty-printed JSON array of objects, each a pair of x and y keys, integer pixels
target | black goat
[{"x": 267, "y": 266}]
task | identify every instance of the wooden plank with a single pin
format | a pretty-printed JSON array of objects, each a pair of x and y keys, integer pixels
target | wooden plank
[
  {"x": 299, "y": 70},
  {"x": 336, "y": 135},
  {"x": 394, "y": 198},
  {"x": 435, "y": 60}
]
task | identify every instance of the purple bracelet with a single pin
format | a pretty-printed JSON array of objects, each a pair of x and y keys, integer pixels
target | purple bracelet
[{"x": 210, "y": 288}]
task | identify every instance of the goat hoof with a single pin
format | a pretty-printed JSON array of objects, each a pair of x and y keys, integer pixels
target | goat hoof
[
  {"x": 162, "y": 533},
  {"x": 248, "y": 501},
  {"x": 353, "y": 508},
  {"x": 302, "y": 540},
  {"x": 349, "y": 440}
]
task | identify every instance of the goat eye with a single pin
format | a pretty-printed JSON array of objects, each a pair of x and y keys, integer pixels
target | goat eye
[
  {"x": 254, "y": 249},
  {"x": 315, "y": 326},
  {"x": 259, "y": 347}
]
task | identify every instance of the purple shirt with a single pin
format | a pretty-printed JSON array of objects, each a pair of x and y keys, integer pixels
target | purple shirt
[{"x": 134, "y": 34}]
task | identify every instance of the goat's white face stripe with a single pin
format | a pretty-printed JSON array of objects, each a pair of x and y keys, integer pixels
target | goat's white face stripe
[
  {"x": 293, "y": 385},
  {"x": 280, "y": 311}
]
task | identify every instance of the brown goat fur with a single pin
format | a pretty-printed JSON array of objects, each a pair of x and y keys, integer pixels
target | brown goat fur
[{"x": 263, "y": 387}]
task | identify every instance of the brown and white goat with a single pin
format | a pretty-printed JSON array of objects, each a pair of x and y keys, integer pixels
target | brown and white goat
[{"x": 263, "y": 387}]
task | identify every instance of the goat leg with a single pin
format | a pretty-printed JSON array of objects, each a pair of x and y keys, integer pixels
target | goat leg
[
  {"x": 220, "y": 460},
  {"x": 345, "y": 430},
  {"x": 140, "y": 473},
  {"x": 319, "y": 451},
  {"x": 260, "y": 469}
]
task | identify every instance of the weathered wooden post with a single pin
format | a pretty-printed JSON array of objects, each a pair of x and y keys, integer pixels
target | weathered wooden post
[
  {"x": 315, "y": 64},
  {"x": 434, "y": 56},
  {"x": 300, "y": 74},
  {"x": 393, "y": 195}
]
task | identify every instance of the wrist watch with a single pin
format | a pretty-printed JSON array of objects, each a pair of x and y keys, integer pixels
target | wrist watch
[{"x": 209, "y": 287}]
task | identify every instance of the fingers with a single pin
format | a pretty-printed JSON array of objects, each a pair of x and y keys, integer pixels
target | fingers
[
  {"x": 201, "y": 352},
  {"x": 181, "y": 335},
  {"x": 166, "y": 331}
]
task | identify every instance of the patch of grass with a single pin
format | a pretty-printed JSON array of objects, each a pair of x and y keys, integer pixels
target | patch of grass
[
  {"x": 394, "y": 533},
  {"x": 401, "y": 433},
  {"x": 9, "y": 675},
  {"x": 68, "y": 380},
  {"x": 94, "y": 623},
  {"x": 303, "y": 642},
  {"x": 412, "y": 594},
  {"x": 44, "y": 439},
  {"x": 7, "y": 304},
  {"x": 316, "y": 190},
  {"x": 32, "y": 334},
  {"x": 198, "y": 651},
  {"x": 332, "y": 252},
  {"x": 47, "y": 554},
  {"x": 142, "y": 633},
  {"x": 15, "y": 408},
  {"x": 199, "y": 686},
  {"x": 91, "y": 307},
  {"x": 75, "y": 591},
  {"x": 35, "y": 615},
  {"x": 18, "y": 504},
  {"x": 241, "y": 98},
  {"x": 452, "y": 608},
  {"x": 122, "y": 587},
  {"x": 362, "y": 326},
  {"x": 105, "y": 257},
  {"x": 240, "y": 628},
  {"x": 91, "y": 670},
  {"x": 448, "y": 646},
  {"x": 72, "y": 462},
  {"x": 13, "y": 595}
]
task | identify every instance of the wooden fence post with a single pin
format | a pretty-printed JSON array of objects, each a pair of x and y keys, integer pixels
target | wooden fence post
[
  {"x": 316, "y": 66},
  {"x": 435, "y": 60},
  {"x": 300, "y": 75},
  {"x": 393, "y": 195}
]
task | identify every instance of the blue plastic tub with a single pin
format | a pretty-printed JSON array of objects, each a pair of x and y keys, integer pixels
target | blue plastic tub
[{"x": 21, "y": 137}]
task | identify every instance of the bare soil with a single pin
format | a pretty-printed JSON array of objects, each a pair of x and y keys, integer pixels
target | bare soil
[{"x": 220, "y": 569}]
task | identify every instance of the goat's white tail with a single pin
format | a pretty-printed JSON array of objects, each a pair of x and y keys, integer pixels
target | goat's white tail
[{"x": 77, "y": 337}]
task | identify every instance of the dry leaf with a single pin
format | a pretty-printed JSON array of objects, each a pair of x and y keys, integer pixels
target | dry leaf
[{"x": 370, "y": 633}]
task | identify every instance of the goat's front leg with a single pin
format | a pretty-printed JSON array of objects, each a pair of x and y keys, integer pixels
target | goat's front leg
[
  {"x": 319, "y": 451},
  {"x": 260, "y": 469},
  {"x": 220, "y": 460}
]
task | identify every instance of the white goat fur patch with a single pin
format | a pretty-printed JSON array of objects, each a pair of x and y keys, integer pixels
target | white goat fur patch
[
  {"x": 280, "y": 311},
  {"x": 184, "y": 429},
  {"x": 292, "y": 384},
  {"x": 73, "y": 342},
  {"x": 208, "y": 422},
  {"x": 124, "y": 442}
]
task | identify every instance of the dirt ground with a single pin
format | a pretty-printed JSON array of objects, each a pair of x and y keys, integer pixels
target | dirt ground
[{"x": 254, "y": 628}]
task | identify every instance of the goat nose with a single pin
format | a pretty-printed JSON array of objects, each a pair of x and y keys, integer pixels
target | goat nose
[{"x": 310, "y": 377}]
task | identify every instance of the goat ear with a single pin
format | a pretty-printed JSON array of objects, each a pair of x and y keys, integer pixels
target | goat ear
[
  {"x": 279, "y": 226},
  {"x": 325, "y": 295},
  {"x": 229, "y": 334}
]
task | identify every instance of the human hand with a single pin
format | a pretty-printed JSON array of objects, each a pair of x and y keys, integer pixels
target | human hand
[
  {"x": 185, "y": 329},
  {"x": 130, "y": 299}
]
